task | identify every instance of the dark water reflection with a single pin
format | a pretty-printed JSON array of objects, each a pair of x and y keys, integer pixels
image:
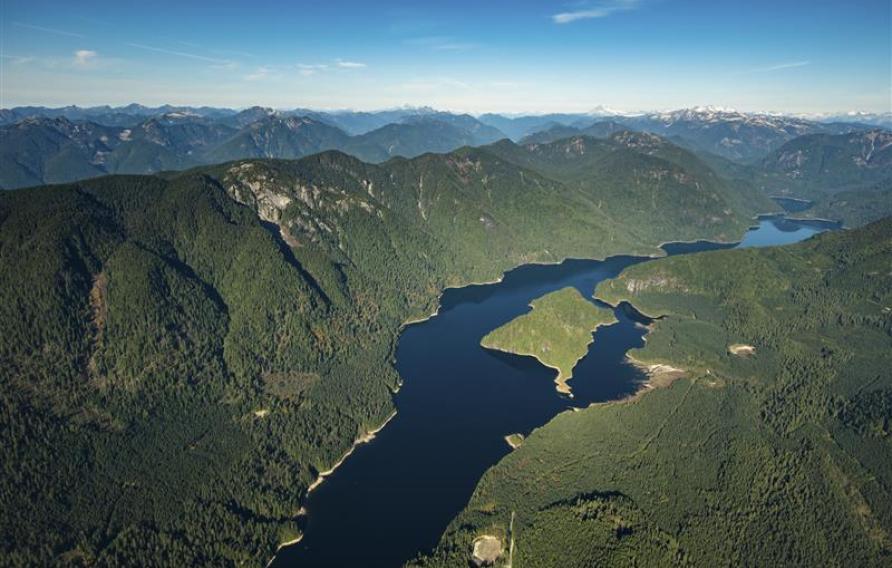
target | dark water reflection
[{"x": 395, "y": 496}]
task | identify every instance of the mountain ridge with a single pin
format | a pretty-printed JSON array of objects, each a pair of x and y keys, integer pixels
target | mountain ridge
[{"x": 40, "y": 150}]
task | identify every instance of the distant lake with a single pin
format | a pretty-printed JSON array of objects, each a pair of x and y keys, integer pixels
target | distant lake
[
  {"x": 394, "y": 497},
  {"x": 793, "y": 204},
  {"x": 778, "y": 230}
]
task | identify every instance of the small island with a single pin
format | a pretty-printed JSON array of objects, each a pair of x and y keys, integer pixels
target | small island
[{"x": 557, "y": 332}]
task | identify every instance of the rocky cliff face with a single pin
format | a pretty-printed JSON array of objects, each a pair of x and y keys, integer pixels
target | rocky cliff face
[{"x": 298, "y": 206}]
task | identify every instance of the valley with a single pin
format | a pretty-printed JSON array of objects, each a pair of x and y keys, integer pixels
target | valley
[
  {"x": 651, "y": 479},
  {"x": 245, "y": 364},
  {"x": 235, "y": 334},
  {"x": 457, "y": 404},
  {"x": 445, "y": 284}
]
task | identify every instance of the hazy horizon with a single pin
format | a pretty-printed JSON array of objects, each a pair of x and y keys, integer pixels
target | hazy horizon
[
  {"x": 510, "y": 57},
  {"x": 594, "y": 111}
]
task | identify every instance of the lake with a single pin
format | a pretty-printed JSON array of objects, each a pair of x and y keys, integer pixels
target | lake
[
  {"x": 793, "y": 204},
  {"x": 394, "y": 497}
]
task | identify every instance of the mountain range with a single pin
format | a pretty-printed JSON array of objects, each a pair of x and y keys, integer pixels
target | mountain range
[
  {"x": 826, "y": 162},
  {"x": 734, "y": 135},
  {"x": 54, "y": 149},
  {"x": 190, "y": 349},
  {"x": 42, "y": 145},
  {"x": 762, "y": 438}
]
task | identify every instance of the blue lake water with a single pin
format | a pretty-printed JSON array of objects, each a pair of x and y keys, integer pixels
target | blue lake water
[{"x": 394, "y": 497}]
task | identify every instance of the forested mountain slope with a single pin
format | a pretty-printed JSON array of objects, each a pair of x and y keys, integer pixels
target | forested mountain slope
[
  {"x": 161, "y": 362},
  {"x": 856, "y": 207},
  {"x": 774, "y": 448},
  {"x": 38, "y": 150},
  {"x": 646, "y": 182},
  {"x": 182, "y": 354},
  {"x": 555, "y": 132},
  {"x": 829, "y": 163},
  {"x": 846, "y": 176}
]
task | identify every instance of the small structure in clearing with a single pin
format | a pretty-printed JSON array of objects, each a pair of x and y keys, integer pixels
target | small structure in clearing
[
  {"x": 487, "y": 549},
  {"x": 514, "y": 440},
  {"x": 742, "y": 350}
]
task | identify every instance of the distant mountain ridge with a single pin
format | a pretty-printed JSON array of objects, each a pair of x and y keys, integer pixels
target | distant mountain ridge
[
  {"x": 846, "y": 176},
  {"x": 743, "y": 137},
  {"x": 43, "y": 149},
  {"x": 834, "y": 161},
  {"x": 224, "y": 333},
  {"x": 41, "y": 145},
  {"x": 556, "y": 132}
]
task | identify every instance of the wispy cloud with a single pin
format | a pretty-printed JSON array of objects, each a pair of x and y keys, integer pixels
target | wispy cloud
[
  {"x": 456, "y": 46},
  {"x": 185, "y": 54},
  {"x": 350, "y": 64},
  {"x": 435, "y": 84},
  {"x": 84, "y": 57},
  {"x": 780, "y": 66},
  {"x": 226, "y": 66},
  {"x": 81, "y": 59},
  {"x": 231, "y": 52},
  {"x": 17, "y": 59},
  {"x": 504, "y": 84},
  {"x": 442, "y": 43},
  {"x": 308, "y": 70},
  {"x": 47, "y": 30},
  {"x": 262, "y": 72},
  {"x": 597, "y": 10}
]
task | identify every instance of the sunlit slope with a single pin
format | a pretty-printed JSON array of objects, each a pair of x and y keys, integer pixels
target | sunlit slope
[
  {"x": 776, "y": 455},
  {"x": 652, "y": 186},
  {"x": 557, "y": 332},
  {"x": 147, "y": 327},
  {"x": 182, "y": 354}
]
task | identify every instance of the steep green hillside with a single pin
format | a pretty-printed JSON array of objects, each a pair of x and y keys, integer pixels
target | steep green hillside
[
  {"x": 742, "y": 137},
  {"x": 148, "y": 326},
  {"x": 601, "y": 129},
  {"x": 651, "y": 185},
  {"x": 276, "y": 136},
  {"x": 52, "y": 150},
  {"x": 856, "y": 207},
  {"x": 557, "y": 332},
  {"x": 182, "y": 354},
  {"x": 810, "y": 166},
  {"x": 414, "y": 137},
  {"x": 40, "y": 150},
  {"x": 773, "y": 450}
]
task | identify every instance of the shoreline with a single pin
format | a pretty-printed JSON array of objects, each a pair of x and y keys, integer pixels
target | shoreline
[
  {"x": 659, "y": 375},
  {"x": 364, "y": 439},
  {"x": 561, "y": 385},
  {"x": 757, "y": 217},
  {"x": 285, "y": 544},
  {"x": 816, "y": 220},
  {"x": 421, "y": 319},
  {"x": 501, "y": 278},
  {"x": 799, "y": 199},
  {"x": 321, "y": 476}
]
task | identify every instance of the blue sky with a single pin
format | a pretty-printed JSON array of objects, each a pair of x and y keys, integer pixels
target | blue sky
[{"x": 802, "y": 56}]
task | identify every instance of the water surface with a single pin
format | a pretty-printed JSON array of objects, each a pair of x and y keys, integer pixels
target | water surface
[
  {"x": 793, "y": 204},
  {"x": 394, "y": 497}
]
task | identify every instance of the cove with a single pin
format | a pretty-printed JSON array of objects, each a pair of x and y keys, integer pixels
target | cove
[{"x": 393, "y": 498}]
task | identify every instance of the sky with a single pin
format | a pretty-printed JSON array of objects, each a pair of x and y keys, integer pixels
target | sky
[{"x": 511, "y": 56}]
